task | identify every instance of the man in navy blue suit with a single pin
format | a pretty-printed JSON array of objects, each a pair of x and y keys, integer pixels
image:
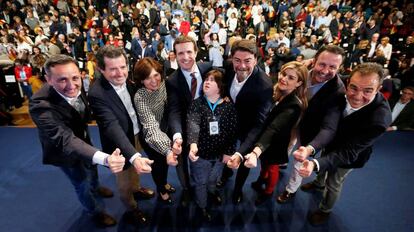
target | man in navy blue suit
[
  {"x": 251, "y": 91},
  {"x": 111, "y": 99},
  {"x": 183, "y": 86},
  {"x": 365, "y": 115},
  {"x": 318, "y": 124}
]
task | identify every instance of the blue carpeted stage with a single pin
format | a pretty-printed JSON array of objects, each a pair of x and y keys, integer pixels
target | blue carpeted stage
[{"x": 37, "y": 198}]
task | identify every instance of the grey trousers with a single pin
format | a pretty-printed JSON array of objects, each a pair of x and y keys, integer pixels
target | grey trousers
[{"x": 333, "y": 182}]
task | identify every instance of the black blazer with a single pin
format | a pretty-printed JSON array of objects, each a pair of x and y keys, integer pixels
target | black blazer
[
  {"x": 275, "y": 136},
  {"x": 115, "y": 126},
  {"x": 320, "y": 120},
  {"x": 356, "y": 133},
  {"x": 405, "y": 120},
  {"x": 63, "y": 132},
  {"x": 179, "y": 99},
  {"x": 252, "y": 105}
]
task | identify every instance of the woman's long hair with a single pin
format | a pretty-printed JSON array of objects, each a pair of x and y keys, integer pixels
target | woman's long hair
[{"x": 300, "y": 91}]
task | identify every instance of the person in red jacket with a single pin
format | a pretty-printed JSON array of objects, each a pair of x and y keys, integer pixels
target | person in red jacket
[{"x": 23, "y": 72}]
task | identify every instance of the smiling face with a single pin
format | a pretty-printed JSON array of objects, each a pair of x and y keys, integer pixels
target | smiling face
[
  {"x": 186, "y": 56},
  {"x": 362, "y": 89},
  {"x": 66, "y": 79},
  {"x": 153, "y": 81},
  {"x": 326, "y": 67},
  {"x": 116, "y": 70},
  {"x": 243, "y": 63},
  {"x": 288, "y": 81}
]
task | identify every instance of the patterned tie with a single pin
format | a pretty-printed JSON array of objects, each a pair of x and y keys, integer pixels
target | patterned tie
[
  {"x": 193, "y": 85},
  {"x": 79, "y": 105}
]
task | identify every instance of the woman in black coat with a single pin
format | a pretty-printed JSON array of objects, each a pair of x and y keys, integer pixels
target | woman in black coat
[{"x": 289, "y": 95}]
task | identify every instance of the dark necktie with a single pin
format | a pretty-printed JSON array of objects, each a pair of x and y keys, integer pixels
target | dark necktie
[{"x": 193, "y": 85}]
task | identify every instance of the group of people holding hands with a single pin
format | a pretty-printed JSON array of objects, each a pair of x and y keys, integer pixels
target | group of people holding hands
[{"x": 208, "y": 122}]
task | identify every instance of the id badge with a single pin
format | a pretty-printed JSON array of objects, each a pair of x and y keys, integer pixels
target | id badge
[{"x": 214, "y": 128}]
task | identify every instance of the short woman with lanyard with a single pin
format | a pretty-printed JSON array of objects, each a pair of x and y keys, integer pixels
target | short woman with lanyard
[{"x": 211, "y": 124}]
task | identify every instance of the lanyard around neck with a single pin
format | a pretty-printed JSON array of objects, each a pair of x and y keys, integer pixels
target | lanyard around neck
[{"x": 212, "y": 107}]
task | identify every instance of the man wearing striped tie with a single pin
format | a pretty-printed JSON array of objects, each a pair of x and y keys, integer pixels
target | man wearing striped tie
[{"x": 183, "y": 86}]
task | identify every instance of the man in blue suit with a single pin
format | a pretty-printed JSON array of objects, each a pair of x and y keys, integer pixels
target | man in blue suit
[
  {"x": 183, "y": 86},
  {"x": 111, "y": 99},
  {"x": 251, "y": 91}
]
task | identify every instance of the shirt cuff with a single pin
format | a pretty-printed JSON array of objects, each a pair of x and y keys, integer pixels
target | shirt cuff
[
  {"x": 136, "y": 155},
  {"x": 394, "y": 128},
  {"x": 312, "y": 149},
  {"x": 99, "y": 158},
  {"x": 177, "y": 136},
  {"x": 316, "y": 168},
  {"x": 240, "y": 155}
]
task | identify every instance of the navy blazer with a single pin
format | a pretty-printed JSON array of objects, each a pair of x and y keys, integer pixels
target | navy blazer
[
  {"x": 252, "y": 105},
  {"x": 405, "y": 120},
  {"x": 115, "y": 126},
  {"x": 63, "y": 132},
  {"x": 136, "y": 49},
  {"x": 275, "y": 137},
  {"x": 356, "y": 133},
  {"x": 179, "y": 99},
  {"x": 320, "y": 120}
]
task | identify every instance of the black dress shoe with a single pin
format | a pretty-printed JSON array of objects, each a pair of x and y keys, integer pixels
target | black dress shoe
[
  {"x": 262, "y": 198},
  {"x": 215, "y": 198},
  {"x": 311, "y": 187},
  {"x": 169, "y": 188},
  {"x": 237, "y": 197},
  {"x": 165, "y": 201},
  {"x": 285, "y": 196},
  {"x": 104, "y": 192},
  {"x": 135, "y": 217},
  {"x": 144, "y": 193},
  {"x": 103, "y": 220},
  {"x": 318, "y": 217}
]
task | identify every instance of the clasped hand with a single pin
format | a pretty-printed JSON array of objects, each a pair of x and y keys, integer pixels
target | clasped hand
[
  {"x": 306, "y": 169},
  {"x": 301, "y": 153},
  {"x": 193, "y": 152}
]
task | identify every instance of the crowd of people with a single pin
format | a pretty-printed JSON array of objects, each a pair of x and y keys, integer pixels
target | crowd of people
[{"x": 210, "y": 87}]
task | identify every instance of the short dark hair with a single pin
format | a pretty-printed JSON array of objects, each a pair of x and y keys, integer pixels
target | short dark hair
[
  {"x": 244, "y": 45},
  {"x": 58, "y": 60},
  {"x": 143, "y": 68},
  {"x": 111, "y": 52},
  {"x": 331, "y": 49},
  {"x": 218, "y": 78},
  {"x": 185, "y": 39},
  {"x": 369, "y": 68}
]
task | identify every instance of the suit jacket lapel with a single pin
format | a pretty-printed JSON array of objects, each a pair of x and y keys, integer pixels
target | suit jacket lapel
[
  {"x": 112, "y": 95},
  {"x": 183, "y": 83},
  {"x": 248, "y": 85}
]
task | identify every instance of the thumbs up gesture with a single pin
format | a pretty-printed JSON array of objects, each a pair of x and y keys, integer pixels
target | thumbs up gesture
[
  {"x": 116, "y": 161},
  {"x": 306, "y": 169}
]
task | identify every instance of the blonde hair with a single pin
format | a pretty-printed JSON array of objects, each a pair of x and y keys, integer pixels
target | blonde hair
[{"x": 300, "y": 91}]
